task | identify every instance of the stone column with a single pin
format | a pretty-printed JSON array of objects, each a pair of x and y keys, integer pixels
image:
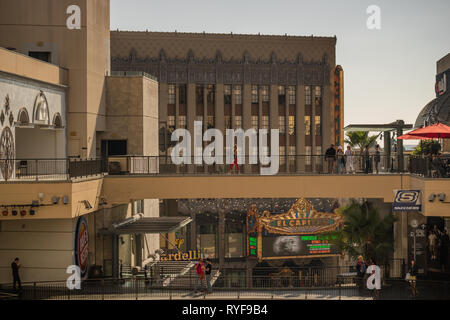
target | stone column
[
  {"x": 246, "y": 119},
  {"x": 273, "y": 113},
  {"x": 387, "y": 150},
  {"x": 400, "y": 123},
  {"x": 191, "y": 107}
]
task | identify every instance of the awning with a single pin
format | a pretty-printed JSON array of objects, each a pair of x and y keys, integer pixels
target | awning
[
  {"x": 150, "y": 225},
  {"x": 377, "y": 127}
]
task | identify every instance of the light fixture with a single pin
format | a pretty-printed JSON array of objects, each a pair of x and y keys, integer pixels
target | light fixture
[
  {"x": 14, "y": 212},
  {"x": 5, "y": 212},
  {"x": 431, "y": 198},
  {"x": 23, "y": 213},
  {"x": 441, "y": 196},
  {"x": 87, "y": 205},
  {"x": 55, "y": 199},
  {"x": 32, "y": 212},
  {"x": 65, "y": 199},
  {"x": 41, "y": 196}
]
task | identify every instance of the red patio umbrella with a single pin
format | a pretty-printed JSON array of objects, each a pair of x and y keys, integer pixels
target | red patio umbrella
[
  {"x": 407, "y": 136},
  {"x": 437, "y": 130}
]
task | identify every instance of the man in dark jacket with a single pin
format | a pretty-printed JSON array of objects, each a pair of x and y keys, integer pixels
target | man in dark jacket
[
  {"x": 330, "y": 156},
  {"x": 15, "y": 265},
  {"x": 208, "y": 268}
]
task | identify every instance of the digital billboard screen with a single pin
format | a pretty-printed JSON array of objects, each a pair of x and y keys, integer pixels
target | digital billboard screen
[{"x": 301, "y": 245}]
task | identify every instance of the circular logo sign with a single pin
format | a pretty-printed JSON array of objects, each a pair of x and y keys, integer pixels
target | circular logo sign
[{"x": 82, "y": 245}]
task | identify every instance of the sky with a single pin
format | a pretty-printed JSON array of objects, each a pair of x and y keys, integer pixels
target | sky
[{"x": 389, "y": 73}]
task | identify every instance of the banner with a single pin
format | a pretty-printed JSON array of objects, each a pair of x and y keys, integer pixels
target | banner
[{"x": 407, "y": 200}]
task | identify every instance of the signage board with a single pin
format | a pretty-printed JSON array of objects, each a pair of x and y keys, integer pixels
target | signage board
[
  {"x": 82, "y": 245},
  {"x": 407, "y": 200}
]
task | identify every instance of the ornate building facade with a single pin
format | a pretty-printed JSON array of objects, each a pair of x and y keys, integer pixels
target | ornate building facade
[{"x": 231, "y": 81}]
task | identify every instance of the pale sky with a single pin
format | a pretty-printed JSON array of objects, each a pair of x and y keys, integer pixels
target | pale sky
[{"x": 389, "y": 73}]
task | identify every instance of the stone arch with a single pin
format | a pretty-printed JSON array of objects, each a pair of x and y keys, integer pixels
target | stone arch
[
  {"x": 40, "y": 110},
  {"x": 57, "y": 120},
  {"x": 23, "y": 118}
]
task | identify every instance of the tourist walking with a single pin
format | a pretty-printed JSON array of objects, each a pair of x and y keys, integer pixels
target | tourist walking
[
  {"x": 432, "y": 238},
  {"x": 340, "y": 160},
  {"x": 15, "y": 266},
  {"x": 330, "y": 156},
  {"x": 349, "y": 160},
  {"x": 208, "y": 268},
  {"x": 235, "y": 162},
  {"x": 377, "y": 158},
  {"x": 366, "y": 159},
  {"x": 413, "y": 278},
  {"x": 200, "y": 271},
  {"x": 361, "y": 268}
]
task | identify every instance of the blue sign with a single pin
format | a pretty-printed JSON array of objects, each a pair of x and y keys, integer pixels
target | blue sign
[{"x": 407, "y": 200}]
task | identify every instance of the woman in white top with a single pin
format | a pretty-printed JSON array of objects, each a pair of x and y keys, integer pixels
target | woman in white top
[{"x": 349, "y": 160}]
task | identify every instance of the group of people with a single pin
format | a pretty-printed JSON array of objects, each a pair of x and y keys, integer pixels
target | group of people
[
  {"x": 438, "y": 243},
  {"x": 203, "y": 271},
  {"x": 345, "y": 160}
]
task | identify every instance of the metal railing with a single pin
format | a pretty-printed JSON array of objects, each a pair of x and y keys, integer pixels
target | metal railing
[
  {"x": 289, "y": 164},
  {"x": 51, "y": 169},
  {"x": 430, "y": 166}
]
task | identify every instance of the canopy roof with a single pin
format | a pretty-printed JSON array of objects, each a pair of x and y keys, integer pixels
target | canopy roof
[{"x": 151, "y": 225}]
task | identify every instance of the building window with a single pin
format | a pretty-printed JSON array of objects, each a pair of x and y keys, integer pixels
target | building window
[
  {"x": 199, "y": 94},
  {"x": 238, "y": 122},
  {"x": 282, "y": 124},
  {"x": 41, "y": 55},
  {"x": 255, "y": 96},
  {"x": 282, "y": 155},
  {"x": 291, "y": 92},
  {"x": 182, "y": 122},
  {"x": 182, "y": 94},
  {"x": 171, "y": 123},
  {"x": 291, "y": 154},
  {"x": 317, "y": 125},
  {"x": 265, "y": 93},
  {"x": 210, "y": 122},
  {"x": 308, "y": 155},
  {"x": 265, "y": 122},
  {"x": 291, "y": 120},
  {"x": 318, "y": 150},
  {"x": 254, "y": 122},
  {"x": 307, "y": 95},
  {"x": 211, "y": 94},
  {"x": 281, "y": 95},
  {"x": 171, "y": 98},
  {"x": 227, "y": 94},
  {"x": 238, "y": 94},
  {"x": 235, "y": 235},
  {"x": 227, "y": 122},
  {"x": 307, "y": 125},
  {"x": 317, "y": 91}
]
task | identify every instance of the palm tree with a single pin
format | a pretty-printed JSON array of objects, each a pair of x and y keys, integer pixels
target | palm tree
[
  {"x": 365, "y": 232},
  {"x": 360, "y": 139}
]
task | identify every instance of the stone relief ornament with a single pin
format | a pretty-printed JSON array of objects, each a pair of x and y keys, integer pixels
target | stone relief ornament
[{"x": 7, "y": 153}]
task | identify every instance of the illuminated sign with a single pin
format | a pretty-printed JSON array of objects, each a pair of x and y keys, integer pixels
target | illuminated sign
[
  {"x": 181, "y": 256},
  {"x": 296, "y": 246},
  {"x": 82, "y": 245},
  {"x": 253, "y": 246}
]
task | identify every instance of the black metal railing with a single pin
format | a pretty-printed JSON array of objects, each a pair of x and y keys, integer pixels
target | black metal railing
[
  {"x": 52, "y": 169},
  {"x": 289, "y": 164},
  {"x": 430, "y": 166}
]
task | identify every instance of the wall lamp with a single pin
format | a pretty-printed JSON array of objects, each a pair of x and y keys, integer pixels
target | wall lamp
[{"x": 441, "y": 197}]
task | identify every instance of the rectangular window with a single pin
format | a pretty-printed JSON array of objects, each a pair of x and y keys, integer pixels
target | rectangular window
[
  {"x": 237, "y": 94},
  {"x": 227, "y": 94},
  {"x": 317, "y": 126},
  {"x": 307, "y": 125},
  {"x": 210, "y": 122},
  {"x": 255, "y": 96},
  {"x": 317, "y": 91},
  {"x": 182, "y": 94},
  {"x": 171, "y": 98},
  {"x": 265, "y": 122},
  {"x": 319, "y": 150},
  {"x": 307, "y": 95},
  {"x": 182, "y": 122},
  {"x": 282, "y": 155},
  {"x": 291, "y": 154},
  {"x": 254, "y": 122},
  {"x": 237, "y": 122},
  {"x": 41, "y": 55},
  {"x": 171, "y": 123},
  {"x": 199, "y": 94},
  {"x": 281, "y": 95},
  {"x": 291, "y": 124},
  {"x": 308, "y": 155},
  {"x": 211, "y": 94},
  {"x": 227, "y": 122},
  {"x": 265, "y": 93},
  {"x": 282, "y": 124},
  {"x": 291, "y": 92}
]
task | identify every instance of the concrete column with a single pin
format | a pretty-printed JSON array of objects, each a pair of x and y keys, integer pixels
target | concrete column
[
  {"x": 327, "y": 119},
  {"x": 246, "y": 118},
  {"x": 400, "y": 123},
  {"x": 313, "y": 131},
  {"x": 273, "y": 111},
  {"x": 387, "y": 150},
  {"x": 300, "y": 123},
  {"x": 115, "y": 256}
]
